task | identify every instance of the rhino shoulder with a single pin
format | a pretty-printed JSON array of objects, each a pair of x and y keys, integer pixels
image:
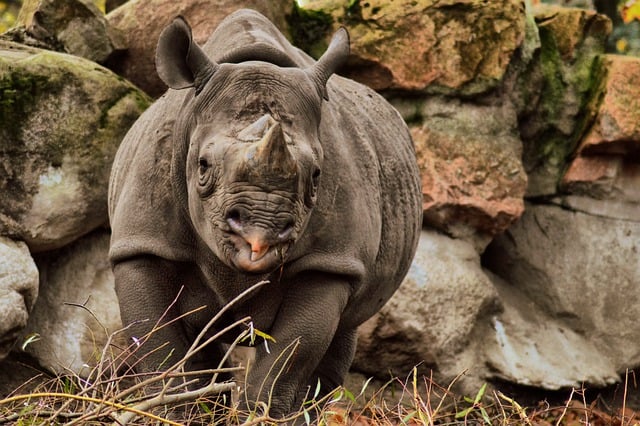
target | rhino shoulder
[{"x": 144, "y": 217}]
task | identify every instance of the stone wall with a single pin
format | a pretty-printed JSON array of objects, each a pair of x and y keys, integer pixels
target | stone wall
[{"x": 527, "y": 136}]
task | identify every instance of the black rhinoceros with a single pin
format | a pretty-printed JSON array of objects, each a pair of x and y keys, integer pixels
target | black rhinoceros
[{"x": 258, "y": 164}]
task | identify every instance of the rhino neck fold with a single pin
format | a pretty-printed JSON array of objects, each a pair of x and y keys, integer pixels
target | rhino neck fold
[{"x": 180, "y": 140}]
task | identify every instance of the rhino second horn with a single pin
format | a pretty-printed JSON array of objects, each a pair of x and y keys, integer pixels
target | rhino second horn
[{"x": 272, "y": 152}]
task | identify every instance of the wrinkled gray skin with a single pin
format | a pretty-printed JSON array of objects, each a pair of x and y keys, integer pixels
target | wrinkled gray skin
[{"x": 254, "y": 166}]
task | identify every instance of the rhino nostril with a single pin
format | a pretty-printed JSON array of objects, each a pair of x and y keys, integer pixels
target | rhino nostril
[
  {"x": 234, "y": 220},
  {"x": 286, "y": 231}
]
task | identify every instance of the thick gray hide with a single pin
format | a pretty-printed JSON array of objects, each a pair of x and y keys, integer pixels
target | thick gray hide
[{"x": 257, "y": 168}]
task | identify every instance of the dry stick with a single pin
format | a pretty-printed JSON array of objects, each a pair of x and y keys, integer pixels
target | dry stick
[
  {"x": 624, "y": 397},
  {"x": 57, "y": 412},
  {"x": 292, "y": 347},
  {"x": 566, "y": 407},
  {"x": 86, "y": 399},
  {"x": 163, "y": 397},
  {"x": 196, "y": 346},
  {"x": 96, "y": 411},
  {"x": 584, "y": 403},
  {"x": 141, "y": 385}
]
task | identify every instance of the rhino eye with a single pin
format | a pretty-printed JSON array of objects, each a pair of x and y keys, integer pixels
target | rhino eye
[
  {"x": 315, "y": 177},
  {"x": 204, "y": 165},
  {"x": 205, "y": 177}
]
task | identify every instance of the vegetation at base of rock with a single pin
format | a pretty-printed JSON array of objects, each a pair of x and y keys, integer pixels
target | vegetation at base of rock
[
  {"x": 111, "y": 393},
  {"x": 418, "y": 400}
]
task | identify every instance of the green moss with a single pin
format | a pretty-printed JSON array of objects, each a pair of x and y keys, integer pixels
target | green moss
[
  {"x": 551, "y": 65},
  {"x": 18, "y": 94},
  {"x": 309, "y": 29}
]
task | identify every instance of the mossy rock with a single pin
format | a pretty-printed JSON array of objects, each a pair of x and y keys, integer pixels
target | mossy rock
[
  {"x": 569, "y": 62},
  {"x": 61, "y": 120},
  {"x": 458, "y": 48}
]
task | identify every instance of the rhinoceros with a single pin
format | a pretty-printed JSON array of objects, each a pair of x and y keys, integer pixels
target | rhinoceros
[{"x": 259, "y": 164}]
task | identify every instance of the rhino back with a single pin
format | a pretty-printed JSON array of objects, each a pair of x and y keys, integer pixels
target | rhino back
[{"x": 246, "y": 33}]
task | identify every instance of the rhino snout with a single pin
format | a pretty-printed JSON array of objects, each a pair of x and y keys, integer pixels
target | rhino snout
[{"x": 258, "y": 246}]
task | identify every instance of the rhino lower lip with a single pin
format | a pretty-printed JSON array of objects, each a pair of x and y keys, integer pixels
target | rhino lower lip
[
  {"x": 256, "y": 261},
  {"x": 257, "y": 255}
]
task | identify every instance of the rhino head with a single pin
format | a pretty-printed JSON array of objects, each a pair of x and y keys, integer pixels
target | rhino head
[{"x": 247, "y": 158}]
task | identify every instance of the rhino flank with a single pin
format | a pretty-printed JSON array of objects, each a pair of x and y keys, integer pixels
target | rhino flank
[{"x": 256, "y": 165}]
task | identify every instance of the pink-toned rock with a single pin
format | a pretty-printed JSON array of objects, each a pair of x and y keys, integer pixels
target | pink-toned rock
[
  {"x": 616, "y": 129},
  {"x": 473, "y": 181},
  {"x": 141, "y": 22},
  {"x": 450, "y": 45},
  {"x": 594, "y": 176},
  {"x": 608, "y": 163}
]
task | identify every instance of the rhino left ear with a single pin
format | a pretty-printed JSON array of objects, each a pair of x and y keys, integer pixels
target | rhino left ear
[
  {"x": 330, "y": 61},
  {"x": 180, "y": 62}
]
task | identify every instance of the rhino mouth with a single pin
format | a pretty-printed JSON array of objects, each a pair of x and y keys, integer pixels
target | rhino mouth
[{"x": 266, "y": 259}]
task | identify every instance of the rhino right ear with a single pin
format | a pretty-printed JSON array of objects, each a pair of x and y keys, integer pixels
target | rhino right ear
[{"x": 180, "y": 62}]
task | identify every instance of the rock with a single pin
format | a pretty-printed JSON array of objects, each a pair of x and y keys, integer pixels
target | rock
[
  {"x": 77, "y": 309},
  {"x": 460, "y": 46},
  {"x": 61, "y": 121},
  {"x": 473, "y": 181},
  {"x": 604, "y": 178},
  {"x": 110, "y": 5},
  {"x": 563, "y": 90},
  {"x": 430, "y": 321},
  {"x": 580, "y": 269},
  {"x": 72, "y": 26},
  {"x": 616, "y": 130},
  {"x": 523, "y": 345},
  {"x": 140, "y": 21},
  {"x": 607, "y": 166},
  {"x": 18, "y": 291}
]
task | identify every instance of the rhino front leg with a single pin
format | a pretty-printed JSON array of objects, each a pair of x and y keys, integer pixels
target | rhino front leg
[
  {"x": 304, "y": 330},
  {"x": 147, "y": 288},
  {"x": 335, "y": 364}
]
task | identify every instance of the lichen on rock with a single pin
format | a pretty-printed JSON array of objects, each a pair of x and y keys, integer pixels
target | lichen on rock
[{"x": 462, "y": 46}]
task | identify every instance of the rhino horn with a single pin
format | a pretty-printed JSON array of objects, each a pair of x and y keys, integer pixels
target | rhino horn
[
  {"x": 180, "y": 62},
  {"x": 256, "y": 130},
  {"x": 272, "y": 153},
  {"x": 334, "y": 57}
]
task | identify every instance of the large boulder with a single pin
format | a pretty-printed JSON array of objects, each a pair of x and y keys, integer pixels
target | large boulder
[
  {"x": 77, "y": 309},
  {"x": 61, "y": 120},
  {"x": 464, "y": 324},
  {"x": 77, "y": 27},
  {"x": 18, "y": 291},
  {"x": 523, "y": 344},
  {"x": 431, "y": 321},
  {"x": 582, "y": 270},
  {"x": 463, "y": 46},
  {"x": 140, "y": 22}
]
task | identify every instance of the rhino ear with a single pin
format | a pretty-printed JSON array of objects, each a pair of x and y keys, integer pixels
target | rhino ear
[
  {"x": 180, "y": 62},
  {"x": 334, "y": 57}
]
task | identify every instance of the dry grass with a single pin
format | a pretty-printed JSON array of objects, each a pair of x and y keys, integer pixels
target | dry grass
[
  {"x": 118, "y": 400},
  {"x": 112, "y": 394}
]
